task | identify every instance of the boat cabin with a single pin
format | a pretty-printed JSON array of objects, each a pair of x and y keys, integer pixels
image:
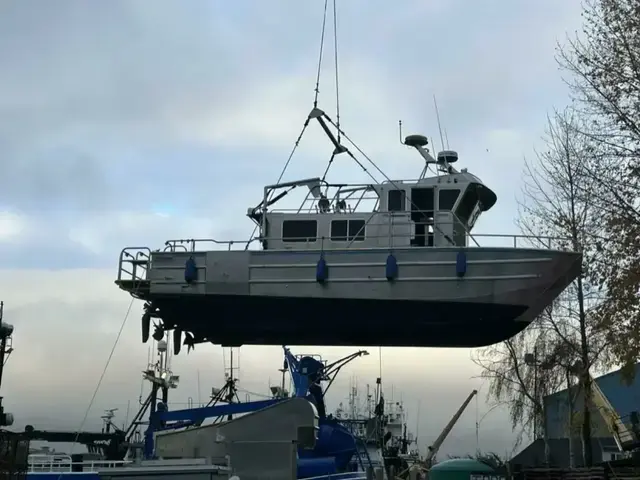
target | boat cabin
[{"x": 434, "y": 211}]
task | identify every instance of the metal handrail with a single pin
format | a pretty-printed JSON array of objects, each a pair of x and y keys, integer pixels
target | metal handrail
[
  {"x": 139, "y": 259},
  {"x": 358, "y": 476},
  {"x": 193, "y": 245},
  {"x": 174, "y": 245},
  {"x": 64, "y": 463}
]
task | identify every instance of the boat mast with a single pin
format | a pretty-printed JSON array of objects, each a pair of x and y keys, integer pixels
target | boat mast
[{"x": 231, "y": 380}]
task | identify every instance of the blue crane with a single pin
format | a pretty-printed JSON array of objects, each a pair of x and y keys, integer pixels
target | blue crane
[{"x": 311, "y": 378}]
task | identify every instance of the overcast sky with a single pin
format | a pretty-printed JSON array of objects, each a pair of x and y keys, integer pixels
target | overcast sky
[{"x": 130, "y": 122}]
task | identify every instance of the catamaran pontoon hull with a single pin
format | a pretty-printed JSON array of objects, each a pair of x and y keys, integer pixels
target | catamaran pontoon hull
[{"x": 445, "y": 297}]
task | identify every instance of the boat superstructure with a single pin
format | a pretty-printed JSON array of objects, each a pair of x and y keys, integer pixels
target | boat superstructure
[{"x": 411, "y": 254}]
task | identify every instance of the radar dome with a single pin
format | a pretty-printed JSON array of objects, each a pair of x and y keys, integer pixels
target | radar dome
[
  {"x": 448, "y": 156},
  {"x": 416, "y": 141}
]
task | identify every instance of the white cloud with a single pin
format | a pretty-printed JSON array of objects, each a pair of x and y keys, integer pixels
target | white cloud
[
  {"x": 101, "y": 232},
  {"x": 66, "y": 323},
  {"x": 198, "y": 104},
  {"x": 11, "y": 226}
]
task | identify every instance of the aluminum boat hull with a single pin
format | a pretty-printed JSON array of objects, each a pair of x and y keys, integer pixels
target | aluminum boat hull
[{"x": 274, "y": 298}]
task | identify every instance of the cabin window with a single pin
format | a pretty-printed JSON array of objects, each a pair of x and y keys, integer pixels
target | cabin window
[
  {"x": 299, "y": 231},
  {"x": 396, "y": 201},
  {"x": 422, "y": 207},
  {"x": 347, "y": 230},
  {"x": 447, "y": 199},
  {"x": 339, "y": 230},
  {"x": 467, "y": 204},
  {"x": 356, "y": 230}
]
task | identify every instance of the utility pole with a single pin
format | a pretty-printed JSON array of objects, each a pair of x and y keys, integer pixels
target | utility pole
[{"x": 531, "y": 359}]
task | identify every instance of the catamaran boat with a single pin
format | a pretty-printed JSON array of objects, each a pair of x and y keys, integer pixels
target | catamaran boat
[{"x": 334, "y": 272}]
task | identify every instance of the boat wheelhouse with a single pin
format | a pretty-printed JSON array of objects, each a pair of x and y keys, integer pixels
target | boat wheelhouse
[
  {"x": 435, "y": 211},
  {"x": 390, "y": 263}
]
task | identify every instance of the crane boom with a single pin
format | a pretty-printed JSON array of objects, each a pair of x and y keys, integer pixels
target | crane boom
[
  {"x": 621, "y": 434},
  {"x": 433, "y": 449}
]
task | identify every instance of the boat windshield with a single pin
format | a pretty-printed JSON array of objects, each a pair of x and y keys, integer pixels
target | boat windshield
[{"x": 468, "y": 204}]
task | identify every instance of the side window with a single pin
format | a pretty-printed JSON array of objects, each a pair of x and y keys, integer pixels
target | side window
[
  {"x": 396, "y": 201},
  {"x": 469, "y": 201},
  {"x": 356, "y": 230},
  {"x": 348, "y": 230},
  {"x": 339, "y": 230},
  {"x": 447, "y": 198},
  {"x": 299, "y": 231}
]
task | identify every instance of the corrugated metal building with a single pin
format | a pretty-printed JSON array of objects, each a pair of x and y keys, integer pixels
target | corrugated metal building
[{"x": 564, "y": 435}]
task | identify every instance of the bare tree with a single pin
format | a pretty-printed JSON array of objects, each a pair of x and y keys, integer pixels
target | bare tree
[
  {"x": 521, "y": 382},
  {"x": 556, "y": 204},
  {"x": 604, "y": 74},
  {"x": 554, "y": 213}
]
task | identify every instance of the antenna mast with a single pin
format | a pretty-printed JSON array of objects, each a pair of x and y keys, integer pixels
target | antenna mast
[
  {"x": 231, "y": 377},
  {"x": 439, "y": 125}
]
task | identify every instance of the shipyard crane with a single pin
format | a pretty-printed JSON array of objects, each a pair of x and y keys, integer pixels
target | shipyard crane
[
  {"x": 624, "y": 437},
  {"x": 433, "y": 449},
  {"x": 435, "y": 446}
]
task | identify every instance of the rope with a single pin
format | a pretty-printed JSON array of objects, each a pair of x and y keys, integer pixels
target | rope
[
  {"x": 284, "y": 169},
  {"x": 326, "y": 171},
  {"x": 324, "y": 25},
  {"x": 335, "y": 55},
  {"x": 293, "y": 150},
  {"x": 104, "y": 371},
  {"x": 315, "y": 104},
  {"x": 358, "y": 162},
  {"x": 360, "y": 150}
]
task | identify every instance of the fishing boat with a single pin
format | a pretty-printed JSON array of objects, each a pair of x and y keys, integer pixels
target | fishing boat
[
  {"x": 381, "y": 427},
  {"x": 295, "y": 430},
  {"x": 350, "y": 260},
  {"x": 333, "y": 273}
]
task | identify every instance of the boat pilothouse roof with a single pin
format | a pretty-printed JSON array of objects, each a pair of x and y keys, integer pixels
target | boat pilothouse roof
[{"x": 436, "y": 210}]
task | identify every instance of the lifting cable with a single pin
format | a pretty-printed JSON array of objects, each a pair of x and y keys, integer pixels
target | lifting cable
[
  {"x": 306, "y": 123},
  {"x": 315, "y": 100},
  {"x": 394, "y": 184},
  {"x": 348, "y": 152},
  {"x": 334, "y": 124},
  {"x": 324, "y": 26},
  {"x": 335, "y": 55}
]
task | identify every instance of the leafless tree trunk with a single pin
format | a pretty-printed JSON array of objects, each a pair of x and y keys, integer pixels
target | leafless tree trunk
[
  {"x": 567, "y": 333},
  {"x": 604, "y": 74}
]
